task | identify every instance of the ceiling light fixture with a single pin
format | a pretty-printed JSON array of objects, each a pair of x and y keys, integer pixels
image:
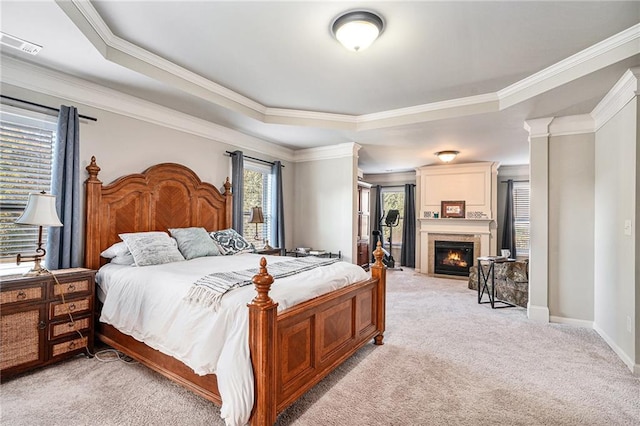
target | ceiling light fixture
[
  {"x": 447, "y": 156},
  {"x": 356, "y": 30}
]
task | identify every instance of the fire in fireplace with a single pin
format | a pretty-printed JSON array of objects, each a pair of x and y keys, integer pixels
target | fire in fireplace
[{"x": 453, "y": 257}]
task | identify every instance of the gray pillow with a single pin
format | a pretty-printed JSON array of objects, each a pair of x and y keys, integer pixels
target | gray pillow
[
  {"x": 152, "y": 248},
  {"x": 194, "y": 242},
  {"x": 230, "y": 242}
]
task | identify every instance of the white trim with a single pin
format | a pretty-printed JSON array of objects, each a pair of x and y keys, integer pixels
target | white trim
[
  {"x": 514, "y": 170},
  {"x": 348, "y": 149},
  {"x": 571, "y": 321},
  {"x": 120, "y": 51},
  {"x": 574, "y": 67},
  {"x": 538, "y": 127},
  {"x": 538, "y": 313},
  {"x": 620, "y": 94},
  {"x": 572, "y": 125},
  {"x": 53, "y": 83},
  {"x": 623, "y": 356}
]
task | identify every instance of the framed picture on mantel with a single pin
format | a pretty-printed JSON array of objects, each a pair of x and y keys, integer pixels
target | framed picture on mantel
[{"x": 452, "y": 209}]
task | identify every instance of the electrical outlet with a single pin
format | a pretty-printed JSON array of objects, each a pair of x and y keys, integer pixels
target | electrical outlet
[{"x": 629, "y": 324}]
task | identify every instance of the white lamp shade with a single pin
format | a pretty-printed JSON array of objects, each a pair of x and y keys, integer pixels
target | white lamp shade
[
  {"x": 40, "y": 211},
  {"x": 357, "y": 35}
]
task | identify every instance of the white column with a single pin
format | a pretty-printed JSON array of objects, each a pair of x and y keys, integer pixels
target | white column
[{"x": 538, "y": 306}]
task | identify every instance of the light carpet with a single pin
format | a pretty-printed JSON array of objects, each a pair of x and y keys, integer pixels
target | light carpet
[{"x": 446, "y": 361}]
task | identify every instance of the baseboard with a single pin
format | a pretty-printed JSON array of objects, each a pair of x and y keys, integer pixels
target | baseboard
[
  {"x": 571, "y": 321},
  {"x": 635, "y": 368},
  {"x": 538, "y": 313}
]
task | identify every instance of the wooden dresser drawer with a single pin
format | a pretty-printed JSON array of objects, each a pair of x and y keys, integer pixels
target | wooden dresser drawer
[
  {"x": 75, "y": 306},
  {"x": 68, "y": 346},
  {"x": 25, "y": 294},
  {"x": 81, "y": 286},
  {"x": 67, "y": 327}
]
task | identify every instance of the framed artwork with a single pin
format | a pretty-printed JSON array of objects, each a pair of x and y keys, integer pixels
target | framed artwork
[{"x": 452, "y": 209}]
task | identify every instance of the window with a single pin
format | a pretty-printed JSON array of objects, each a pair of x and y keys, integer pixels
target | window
[
  {"x": 521, "y": 216},
  {"x": 257, "y": 193},
  {"x": 393, "y": 199},
  {"x": 26, "y": 148}
]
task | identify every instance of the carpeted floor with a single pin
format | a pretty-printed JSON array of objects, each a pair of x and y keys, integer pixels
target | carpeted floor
[{"x": 446, "y": 361}]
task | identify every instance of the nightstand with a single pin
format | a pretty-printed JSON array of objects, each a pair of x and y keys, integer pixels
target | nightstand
[
  {"x": 37, "y": 327},
  {"x": 272, "y": 251}
]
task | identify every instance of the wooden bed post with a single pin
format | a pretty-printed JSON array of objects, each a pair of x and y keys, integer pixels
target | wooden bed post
[
  {"x": 379, "y": 271},
  {"x": 229, "y": 203},
  {"x": 262, "y": 345},
  {"x": 93, "y": 194}
]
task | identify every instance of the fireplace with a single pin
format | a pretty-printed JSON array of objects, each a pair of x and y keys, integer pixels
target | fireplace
[{"x": 453, "y": 257}]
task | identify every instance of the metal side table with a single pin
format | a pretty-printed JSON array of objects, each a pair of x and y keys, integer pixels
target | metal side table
[{"x": 490, "y": 274}]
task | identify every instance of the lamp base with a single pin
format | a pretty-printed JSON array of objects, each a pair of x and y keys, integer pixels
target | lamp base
[
  {"x": 267, "y": 246},
  {"x": 37, "y": 267}
]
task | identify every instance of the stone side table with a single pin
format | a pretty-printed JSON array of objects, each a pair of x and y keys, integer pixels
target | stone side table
[{"x": 511, "y": 280}]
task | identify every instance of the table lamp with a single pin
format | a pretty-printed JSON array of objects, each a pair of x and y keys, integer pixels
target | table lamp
[
  {"x": 256, "y": 217},
  {"x": 40, "y": 211}
]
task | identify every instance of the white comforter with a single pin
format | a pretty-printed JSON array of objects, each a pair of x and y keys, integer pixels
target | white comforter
[{"x": 147, "y": 303}]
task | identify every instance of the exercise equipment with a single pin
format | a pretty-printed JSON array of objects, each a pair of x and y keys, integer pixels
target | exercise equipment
[{"x": 390, "y": 221}]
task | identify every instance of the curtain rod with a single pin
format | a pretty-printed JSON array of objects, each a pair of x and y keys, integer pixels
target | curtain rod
[
  {"x": 506, "y": 181},
  {"x": 45, "y": 107},
  {"x": 229, "y": 153}
]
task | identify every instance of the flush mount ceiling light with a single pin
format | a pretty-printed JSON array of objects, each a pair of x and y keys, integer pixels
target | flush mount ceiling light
[
  {"x": 447, "y": 156},
  {"x": 356, "y": 30}
]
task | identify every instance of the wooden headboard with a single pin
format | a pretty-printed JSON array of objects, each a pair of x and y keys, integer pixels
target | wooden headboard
[{"x": 164, "y": 196}]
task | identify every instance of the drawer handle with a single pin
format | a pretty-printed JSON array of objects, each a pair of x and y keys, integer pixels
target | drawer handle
[
  {"x": 72, "y": 345},
  {"x": 21, "y": 295},
  {"x": 71, "y": 287},
  {"x": 42, "y": 325},
  {"x": 72, "y": 307},
  {"x": 71, "y": 324}
]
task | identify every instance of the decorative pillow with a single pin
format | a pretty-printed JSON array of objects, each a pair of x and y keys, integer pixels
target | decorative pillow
[
  {"x": 152, "y": 248},
  {"x": 117, "y": 249},
  {"x": 230, "y": 242},
  {"x": 194, "y": 242},
  {"x": 123, "y": 259}
]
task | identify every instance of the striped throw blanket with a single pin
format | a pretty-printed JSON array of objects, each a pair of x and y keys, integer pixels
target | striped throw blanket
[{"x": 208, "y": 290}]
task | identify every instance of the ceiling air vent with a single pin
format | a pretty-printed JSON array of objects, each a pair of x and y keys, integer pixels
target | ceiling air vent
[{"x": 19, "y": 44}]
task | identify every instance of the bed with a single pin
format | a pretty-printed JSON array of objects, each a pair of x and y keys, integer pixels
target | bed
[{"x": 290, "y": 349}]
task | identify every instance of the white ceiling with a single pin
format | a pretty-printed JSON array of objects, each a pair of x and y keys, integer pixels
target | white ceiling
[{"x": 443, "y": 75}]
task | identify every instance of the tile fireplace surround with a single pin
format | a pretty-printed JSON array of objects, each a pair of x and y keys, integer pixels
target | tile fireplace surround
[{"x": 477, "y": 231}]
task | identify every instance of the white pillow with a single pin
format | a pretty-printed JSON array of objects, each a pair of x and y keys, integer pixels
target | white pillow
[
  {"x": 152, "y": 248},
  {"x": 123, "y": 259},
  {"x": 117, "y": 249}
]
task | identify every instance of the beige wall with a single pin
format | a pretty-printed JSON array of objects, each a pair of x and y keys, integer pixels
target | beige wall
[
  {"x": 325, "y": 212},
  {"x": 124, "y": 145},
  {"x": 571, "y": 224},
  {"x": 615, "y": 277}
]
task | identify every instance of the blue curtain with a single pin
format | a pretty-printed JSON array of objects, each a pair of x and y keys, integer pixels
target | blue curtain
[
  {"x": 237, "y": 188},
  {"x": 509, "y": 230},
  {"x": 376, "y": 218},
  {"x": 64, "y": 245},
  {"x": 277, "y": 207},
  {"x": 408, "y": 253}
]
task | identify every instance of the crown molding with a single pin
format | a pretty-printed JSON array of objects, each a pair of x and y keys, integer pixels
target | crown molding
[
  {"x": 609, "y": 51},
  {"x": 86, "y": 18},
  {"x": 620, "y": 94},
  {"x": 347, "y": 149},
  {"x": 538, "y": 127},
  {"x": 572, "y": 125},
  {"x": 53, "y": 83}
]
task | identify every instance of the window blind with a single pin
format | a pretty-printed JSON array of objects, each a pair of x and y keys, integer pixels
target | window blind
[
  {"x": 258, "y": 189},
  {"x": 521, "y": 216},
  {"x": 25, "y": 167}
]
